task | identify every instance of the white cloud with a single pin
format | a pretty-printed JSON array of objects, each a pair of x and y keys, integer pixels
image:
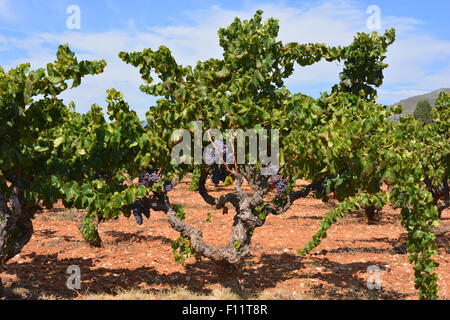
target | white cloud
[
  {"x": 5, "y": 11},
  {"x": 401, "y": 24},
  {"x": 418, "y": 62},
  {"x": 412, "y": 58}
]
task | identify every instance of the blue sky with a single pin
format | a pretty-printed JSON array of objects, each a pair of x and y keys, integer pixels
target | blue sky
[{"x": 31, "y": 30}]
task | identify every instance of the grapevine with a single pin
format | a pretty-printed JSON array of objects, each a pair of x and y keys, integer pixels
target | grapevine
[{"x": 341, "y": 142}]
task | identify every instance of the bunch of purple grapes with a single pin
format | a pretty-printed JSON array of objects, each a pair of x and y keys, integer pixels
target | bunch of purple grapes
[
  {"x": 280, "y": 184},
  {"x": 138, "y": 210},
  {"x": 318, "y": 187},
  {"x": 219, "y": 173},
  {"x": 149, "y": 177},
  {"x": 216, "y": 156},
  {"x": 168, "y": 186}
]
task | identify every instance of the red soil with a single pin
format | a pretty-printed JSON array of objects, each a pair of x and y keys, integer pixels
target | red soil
[{"x": 134, "y": 256}]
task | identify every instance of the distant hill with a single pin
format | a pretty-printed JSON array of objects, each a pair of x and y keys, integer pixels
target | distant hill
[{"x": 410, "y": 104}]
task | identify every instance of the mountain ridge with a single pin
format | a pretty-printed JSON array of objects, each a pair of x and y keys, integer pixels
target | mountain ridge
[{"x": 410, "y": 103}]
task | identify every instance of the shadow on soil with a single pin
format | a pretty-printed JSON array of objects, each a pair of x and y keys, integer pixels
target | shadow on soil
[
  {"x": 120, "y": 236},
  {"x": 45, "y": 276}
]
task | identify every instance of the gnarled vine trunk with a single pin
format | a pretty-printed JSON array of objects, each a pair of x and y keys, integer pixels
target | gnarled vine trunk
[
  {"x": 16, "y": 227},
  {"x": 373, "y": 215},
  {"x": 446, "y": 198},
  {"x": 94, "y": 239},
  {"x": 443, "y": 194},
  {"x": 228, "y": 259}
]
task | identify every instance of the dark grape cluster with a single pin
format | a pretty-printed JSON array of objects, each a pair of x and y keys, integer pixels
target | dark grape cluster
[
  {"x": 168, "y": 186},
  {"x": 210, "y": 155},
  {"x": 149, "y": 177},
  {"x": 219, "y": 174},
  {"x": 318, "y": 187},
  {"x": 139, "y": 210},
  {"x": 280, "y": 184},
  {"x": 216, "y": 156},
  {"x": 146, "y": 212}
]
